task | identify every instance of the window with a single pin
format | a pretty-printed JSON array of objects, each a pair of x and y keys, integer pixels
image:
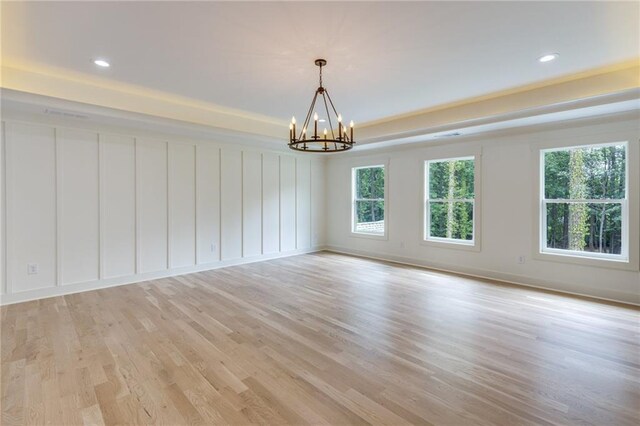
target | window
[
  {"x": 584, "y": 207},
  {"x": 368, "y": 200},
  {"x": 450, "y": 200}
]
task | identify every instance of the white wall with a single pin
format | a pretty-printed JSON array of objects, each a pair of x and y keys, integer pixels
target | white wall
[
  {"x": 509, "y": 210},
  {"x": 93, "y": 209}
]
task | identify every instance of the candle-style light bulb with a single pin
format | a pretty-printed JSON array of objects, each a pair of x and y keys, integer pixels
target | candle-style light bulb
[
  {"x": 291, "y": 131},
  {"x": 351, "y": 130},
  {"x": 304, "y": 133},
  {"x": 315, "y": 125},
  {"x": 293, "y": 120},
  {"x": 325, "y": 133},
  {"x": 293, "y": 125},
  {"x": 339, "y": 126}
]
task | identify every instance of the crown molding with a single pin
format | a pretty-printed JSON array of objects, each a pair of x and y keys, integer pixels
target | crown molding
[
  {"x": 585, "y": 90},
  {"x": 622, "y": 66},
  {"x": 28, "y": 107},
  {"x": 591, "y": 93},
  {"x": 626, "y": 119},
  {"x": 88, "y": 89}
]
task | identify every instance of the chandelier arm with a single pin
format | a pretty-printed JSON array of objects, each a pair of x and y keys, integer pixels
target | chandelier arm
[
  {"x": 346, "y": 138},
  {"x": 326, "y": 107},
  {"x": 306, "y": 120},
  {"x": 331, "y": 102}
]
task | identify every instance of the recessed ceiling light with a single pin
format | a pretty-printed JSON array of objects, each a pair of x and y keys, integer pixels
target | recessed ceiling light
[
  {"x": 548, "y": 58},
  {"x": 102, "y": 63},
  {"x": 322, "y": 120}
]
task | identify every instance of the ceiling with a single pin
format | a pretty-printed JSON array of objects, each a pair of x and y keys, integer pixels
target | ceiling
[{"x": 385, "y": 58}]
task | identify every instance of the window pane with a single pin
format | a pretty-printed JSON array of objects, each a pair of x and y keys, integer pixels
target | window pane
[
  {"x": 464, "y": 175},
  {"x": 595, "y": 228},
  {"x": 370, "y": 182},
  {"x": 585, "y": 173},
  {"x": 369, "y": 212},
  {"x": 451, "y": 220},
  {"x": 363, "y": 183},
  {"x": 378, "y": 210},
  {"x": 377, "y": 182},
  {"x": 370, "y": 217},
  {"x": 451, "y": 179}
]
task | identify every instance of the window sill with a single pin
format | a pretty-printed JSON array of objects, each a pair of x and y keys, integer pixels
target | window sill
[
  {"x": 611, "y": 263},
  {"x": 369, "y": 236},
  {"x": 455, "y": 245}
]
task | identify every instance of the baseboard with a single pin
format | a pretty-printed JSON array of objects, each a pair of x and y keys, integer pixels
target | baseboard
[
  {"x": 44, "y": 293},
  {"x": 502, "y": 277},
  {"x": 8, "y": 299}
]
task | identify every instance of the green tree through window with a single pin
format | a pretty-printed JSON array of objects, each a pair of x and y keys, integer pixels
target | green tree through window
[
  {"x": 368, "y": 200},
  {"x": 450, "y": 199},
  {"x": 584, "y": 199}
]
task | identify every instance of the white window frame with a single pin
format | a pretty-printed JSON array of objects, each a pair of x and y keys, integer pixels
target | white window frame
[
  {"x": 453, "y": 242},
  {"x": 624, "y": 205},
  {"x": 354, "y": 200}
]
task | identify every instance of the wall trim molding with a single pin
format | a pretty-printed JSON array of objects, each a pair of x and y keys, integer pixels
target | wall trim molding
[
  {"x": 425, "y": 142},
  {"x": 486, "y": 274},
  {"x": 575, "y": 91},
  {"x": 593, "y": 93},
  {"x": 93, "y": 90},
  {"x": 45, "y": 293},
  {"x": 32, "y": 108}
]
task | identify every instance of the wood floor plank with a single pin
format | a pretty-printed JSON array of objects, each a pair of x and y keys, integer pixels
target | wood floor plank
[{"x": 320, "y": 339}]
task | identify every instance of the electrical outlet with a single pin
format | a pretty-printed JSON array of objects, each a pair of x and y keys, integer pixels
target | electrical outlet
[
  {"x": 32, "y": 268},
  {"x": 521, "y": 259},
  {"x": 213, "y": 247}
]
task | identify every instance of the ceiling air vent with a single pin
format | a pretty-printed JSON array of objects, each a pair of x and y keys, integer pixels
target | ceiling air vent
[
  {"x": 449, "y": 135},
  {"x": 62, "y": 113}
]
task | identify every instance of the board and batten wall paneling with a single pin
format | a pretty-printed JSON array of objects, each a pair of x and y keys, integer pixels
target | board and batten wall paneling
[
  {"x": 270, "y": 203},
  {"x": 151, "y": 204},
  {"x": 251, "y": 203},
  {"x": 31, "y": 157},
  {"x": 318, "y": 208},
  {"x": 78, "y": 206},
  {"x": 3, "y": 215},
  {"x": 230, "y": 204},
  {"x": 287, "y": 203},
  {"x": 208, "y": 203},
  {"x": 182, "y": 205},
  {"x": 303, "y": 203},
  {"x": 117, "y": 206},
  {"x": 91, "y": 209}
]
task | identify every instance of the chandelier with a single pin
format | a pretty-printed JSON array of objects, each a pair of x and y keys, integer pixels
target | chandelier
[{"x": 328, "y": 141}]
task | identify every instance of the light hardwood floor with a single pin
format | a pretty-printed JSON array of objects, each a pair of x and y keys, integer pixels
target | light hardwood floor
[{"x": 318, "y": 339}]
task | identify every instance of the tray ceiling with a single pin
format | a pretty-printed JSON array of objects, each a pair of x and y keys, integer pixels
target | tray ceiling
[{"x": 385, "y": 58}]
